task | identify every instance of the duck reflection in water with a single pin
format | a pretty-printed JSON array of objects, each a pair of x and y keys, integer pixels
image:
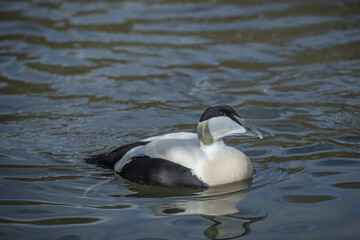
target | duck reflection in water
[{"x": 218, "y": 204}]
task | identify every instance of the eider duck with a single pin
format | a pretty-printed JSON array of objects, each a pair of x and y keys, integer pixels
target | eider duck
[{"x": 186, "y": 159}]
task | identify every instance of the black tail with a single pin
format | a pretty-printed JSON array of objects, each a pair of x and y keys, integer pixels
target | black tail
[{"x": 108, "y": 160}]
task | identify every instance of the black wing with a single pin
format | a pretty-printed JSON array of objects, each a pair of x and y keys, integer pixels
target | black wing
[{"x": 109, "y": 159}]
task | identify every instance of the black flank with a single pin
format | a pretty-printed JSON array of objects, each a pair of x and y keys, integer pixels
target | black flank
[
  {"x": 159, "y": 172},
  {"x": 109, "y": 159}
]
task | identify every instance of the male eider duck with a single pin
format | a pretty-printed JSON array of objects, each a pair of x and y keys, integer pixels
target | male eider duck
[{"x": 185, "y": 159}]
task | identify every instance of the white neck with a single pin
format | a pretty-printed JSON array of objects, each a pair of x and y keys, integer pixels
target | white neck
[{"x": 212, "y": 149}]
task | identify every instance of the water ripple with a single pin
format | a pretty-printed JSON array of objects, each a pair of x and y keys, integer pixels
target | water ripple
[{"x": 81, "y": 77}]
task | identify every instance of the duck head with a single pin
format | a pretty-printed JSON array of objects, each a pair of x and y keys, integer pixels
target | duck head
[{"x": 221, "y": 121}]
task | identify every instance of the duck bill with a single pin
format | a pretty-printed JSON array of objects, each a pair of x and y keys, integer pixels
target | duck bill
[
  {"x": 254, "y": 133},
  {"x": 249, "y": 131}
]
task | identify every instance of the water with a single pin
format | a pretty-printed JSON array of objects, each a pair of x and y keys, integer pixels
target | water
[{"x": 83, "y": 77}]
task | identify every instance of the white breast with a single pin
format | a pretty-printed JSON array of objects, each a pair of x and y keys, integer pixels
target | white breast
[{"x": 226, "y": 165}]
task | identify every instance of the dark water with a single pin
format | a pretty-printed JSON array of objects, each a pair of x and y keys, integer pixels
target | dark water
[{"x": 82, "y": 77}]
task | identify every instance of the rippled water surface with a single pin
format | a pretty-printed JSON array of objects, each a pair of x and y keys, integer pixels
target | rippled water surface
[{"x": 83, "y": 77}]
